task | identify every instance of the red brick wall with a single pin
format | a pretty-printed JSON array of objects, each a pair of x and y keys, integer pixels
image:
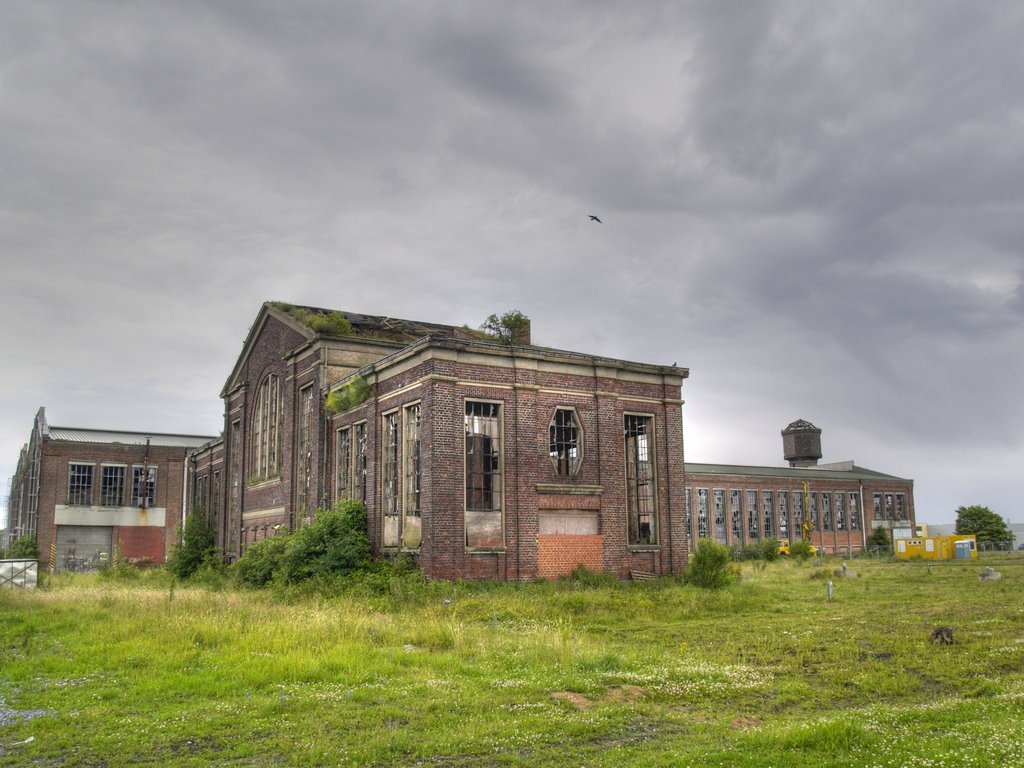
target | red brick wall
[
  {"x": 561, "y": 555},
  {"x": 141, "y": 544}
]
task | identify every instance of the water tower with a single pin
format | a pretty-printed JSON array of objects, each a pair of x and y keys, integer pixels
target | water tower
[{"x": 801, "y": 442}]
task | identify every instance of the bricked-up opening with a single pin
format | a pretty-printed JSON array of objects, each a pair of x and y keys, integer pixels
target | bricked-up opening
[
  {"x": 566, "y": 454},
  {"x": 266, "y": 430},
  {"x": 640, "y": 480},
  {"x": 143, "y": 486},
  {"x": 389, "y": 480},
  {"x": 111, "y": 485},
  {"x": 80, "y": 485},
  {"x": 411, "y": 528},
  {"x": 484, "y": 525}
]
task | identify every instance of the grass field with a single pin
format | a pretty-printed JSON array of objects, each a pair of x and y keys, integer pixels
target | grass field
[{"x": 391, "y": 671}]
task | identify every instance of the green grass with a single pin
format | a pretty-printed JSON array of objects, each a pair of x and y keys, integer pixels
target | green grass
[{"x": 391, "y": 671}]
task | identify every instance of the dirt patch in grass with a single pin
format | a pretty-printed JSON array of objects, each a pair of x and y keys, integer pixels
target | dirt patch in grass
[
  {"x": 745, "y": 723},
  {"x": 617, "y": 693}
]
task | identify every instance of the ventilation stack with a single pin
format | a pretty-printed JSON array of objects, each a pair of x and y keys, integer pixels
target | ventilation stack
[{"x": 801, "y": 442}]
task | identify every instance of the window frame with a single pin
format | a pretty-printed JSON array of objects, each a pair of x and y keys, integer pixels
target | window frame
[
  {"x": 82, "y": 490},
  {"x": 151, "y": 481},
  {"x": 572, "y": 464},
  {"x": 497, "y": 473},
  {"x": 634, "y": 538},
  {"x": 104, "y": 497},
  {"x": 265, "y": 441}
]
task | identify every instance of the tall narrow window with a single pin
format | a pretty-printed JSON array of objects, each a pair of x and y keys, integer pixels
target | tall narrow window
[
  {"x": 112, "y": 486},
  {"x": 840, "y": 512},
  {"x": 737, "y": 516},
  {"x": 359, "y": 469},
  {"x": 783, "y": 497},
  {"x": 266, "y": 430},
  {"x": 640, "y": 504},
  {"x": 484, "y": 524},
  {"x": 143, "y": 486},
  {"x": 689, "y": 513},
  {"x": 720, "y": 515},
  {"x": 215, "y": 491},
  {"x": 901, "y": 507},
  {"x": 565, "y": 442},
  {"x": 80, "y": 485},
  {"x": 798, "y": 514},
  {"x": 889, "y": 506},
  {"x": 235, "y": 488},
  {"x": 768, "y": 504},
  {"x": 343, "y": 463},
  {"x": 812, "y": 510},
  {"x": 854, "y": 512},
  {"x": 411, "y": 529},
  {"x": 877, "y": 502},
  {"x": 304, "y": 454},
  {"x": 826, "y": 511},
  {"x": 389, "y": 480},
  {"x": 702, "y": 513},
  {"x": 752, "y": 522}
]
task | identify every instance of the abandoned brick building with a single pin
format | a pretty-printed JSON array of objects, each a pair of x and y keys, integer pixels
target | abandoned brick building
[
  {"x": 481, "y": 459},
  {"x": 84, "y": 494},
  {"x": 835, "y": 506}
]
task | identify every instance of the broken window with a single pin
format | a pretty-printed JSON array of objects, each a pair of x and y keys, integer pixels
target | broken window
[
  {"x": 112, "y": 485},
  {"x": 80, "y": 485},
  {"x": 689, "y": 513},
  {"x": 812, "y": 510},
  {"x": 901, "y": 507},
  {"x": 266, "y": 429},
  {"x": 854, "y": 513},
  {"x": 235, "y": 481},
  {"x": 342, "y": 463},
  {"x": 737, "y": 516},
  {"x": 143, "y": 486},
  {"x": 389, "y": 480},
  {"x": 783, "y": 514},
  {"x": 484, "y": 524},
  {"x": 411, "y": 530},
  {"x": 199, "y": 491},
  {"x": 304, "y": 454},
  {"x": 702, "y": 513},
  {"x": 719, "y": 515},
  {"x": 638, "y": 432},
  {"x": 798, "y": 513},
  {"x": 215, "y": 497},
  {"x": 889, "y": 507},
  {"x": 877, "y": 502},
  {"x": 840, "y": 512},
  {"x": 826, "y": 511},
  {"x": 767, "y": 498},
  {"x": 359, "y": 472},
  {"x": 565, "y": 450},
  {"x": 753, "y": 525}
]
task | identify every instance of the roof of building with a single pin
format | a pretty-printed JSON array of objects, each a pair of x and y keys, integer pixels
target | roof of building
[
  {"x": 846, "y": 470},
  {"x": 99, "y": 436}
]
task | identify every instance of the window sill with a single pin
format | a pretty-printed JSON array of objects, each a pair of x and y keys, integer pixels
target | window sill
[
  {"x": 485, "y": 550},
  {"x": 262, "y": 482},
  {"x": 644, "y": 547}
]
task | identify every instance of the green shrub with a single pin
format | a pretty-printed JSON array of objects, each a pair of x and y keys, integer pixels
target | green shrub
[
  {"x": 261, "y": 561},
  {"x": 710, "y": 566},
  {"x": 768, "y": 550},
  {"x": 356, "y": 392},
  {"x": 802, "y": 549},
  {"x": 334, "y": 544},
  {"x": 878, "y": 538},
  {"x": 197, "y": 546},
  {"x": 24, "y": 547}
]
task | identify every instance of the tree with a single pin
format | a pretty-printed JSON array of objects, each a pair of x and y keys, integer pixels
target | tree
[
  {"x": 197, "y": 545},
  {"x": 878, "y": 538},
  {"x": 509, "y": 328},
  {"x": 985, "y": 524},
  {"x": 24, "y": 547}
]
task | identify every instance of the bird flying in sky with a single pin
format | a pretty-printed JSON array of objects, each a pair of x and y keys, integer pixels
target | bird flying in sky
[{"x": 594, "y": 218}]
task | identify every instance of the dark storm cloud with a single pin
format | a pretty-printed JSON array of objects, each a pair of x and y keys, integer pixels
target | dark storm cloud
[{"x": 818, "y": 208}]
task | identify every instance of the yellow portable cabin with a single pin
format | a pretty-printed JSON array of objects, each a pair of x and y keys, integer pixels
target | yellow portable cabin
[{"x": 962, "y": 547}]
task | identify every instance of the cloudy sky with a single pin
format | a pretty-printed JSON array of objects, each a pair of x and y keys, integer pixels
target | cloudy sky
[{"x": 816, "y": 207}]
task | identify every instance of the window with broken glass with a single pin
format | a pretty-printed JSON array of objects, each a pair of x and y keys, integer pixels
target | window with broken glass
[
  {"x": 143, "y": 485},
  {"x": 901, "y": 507},
  {"x": 80, "y": 485},
  {"x": 411, "y": 529},
  {"x": 768, "y": 507},
  {"x": 688, "y": 513},
  {"x": 783, "y": 497},
  {"x": 753, "y": 525},
  {"x": 877, "y": 502},
  {"x": 798, "y": 513},
  {"x": 719, "y": 515},
  {"x": 826, "y": 511},
  {"x": 812, "y": 510},
  {"x": 737, "y": 515},
  {"x": 304, "y": 454},
  {"x": 854, "y": 512},
  {"x": 389, "y": 480},
  {"x": 889, "y": 507},
  {"x": 342, "y": 463},
  {"x": 484, "y": 523},
  {"x": 840, "y": 512},
  {"x": 266, "y": 429},
  {"x": 359, "y": 471},
  {"x": 702, "y": 513},
  {"x": 111, "y": 485},
  {"x": 640, "y": 506},
  {"x": 564, "y": 443}
]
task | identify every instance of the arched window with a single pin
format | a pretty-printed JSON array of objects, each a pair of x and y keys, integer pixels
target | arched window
[{"x": 266, "y": 430}]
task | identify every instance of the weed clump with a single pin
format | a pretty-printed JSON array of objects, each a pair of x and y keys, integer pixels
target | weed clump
[
  {"x": 710, "y": 566},
  {"x": 196, "y": 547}
]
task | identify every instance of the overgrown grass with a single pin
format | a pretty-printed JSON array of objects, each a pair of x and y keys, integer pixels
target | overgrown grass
[{"x": 386, "y": 669}]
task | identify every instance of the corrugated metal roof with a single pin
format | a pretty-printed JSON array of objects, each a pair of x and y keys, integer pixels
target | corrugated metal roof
[
  {"x": 75, "y": 435},
  {"x": 801, "y": 473}
]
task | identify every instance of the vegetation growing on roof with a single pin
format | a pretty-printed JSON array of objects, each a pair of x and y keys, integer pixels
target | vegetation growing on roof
[
  {"x": 507, "y": 328},
  {"x": 331, "y": 323},
  {"x": 352, "y": 394}
]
